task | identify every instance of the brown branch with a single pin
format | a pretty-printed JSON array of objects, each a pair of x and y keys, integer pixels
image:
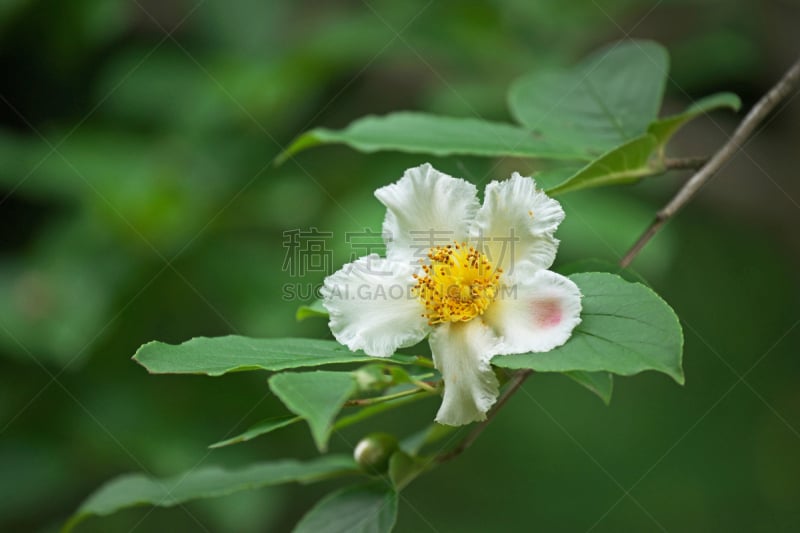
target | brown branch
[
  {"x": 756, "y": 115},
  {"x": 513, "y": 385},
  {"x": 684, "y": 163}
]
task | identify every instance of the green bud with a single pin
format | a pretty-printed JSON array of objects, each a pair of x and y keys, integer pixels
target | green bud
[
  {"x": 373, "y": 452},
  {"x": 372, "y": 378}
]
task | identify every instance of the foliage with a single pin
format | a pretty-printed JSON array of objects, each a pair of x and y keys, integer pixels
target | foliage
[
  {"x": 209, "y": 482},
  {"x": 603, "y": 110},
  {"x": 626, "y": 329},
  {"x": 160, "y": 217}
]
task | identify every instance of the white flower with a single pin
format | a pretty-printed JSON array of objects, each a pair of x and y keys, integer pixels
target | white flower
[{"x": 473, "y": 277}]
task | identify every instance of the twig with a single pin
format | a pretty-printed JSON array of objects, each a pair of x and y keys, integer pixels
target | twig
[
  {"x": 377, "y": 408},
  {"x": 757, "y": 114},
  {"x": 430, "y": 387},
  {"x": 361, "y": 402},
  {"x": 513, "y": 385},
  {"x": 683, "y": 163}
]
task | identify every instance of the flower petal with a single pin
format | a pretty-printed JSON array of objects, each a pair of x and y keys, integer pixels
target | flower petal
[
  {"x": 516, "y": 223},
  {"x": 461, "y": 352},
  {"x": 371, "y": 306},
  {"x": 425, "y": 208},
  {"x": 537, "y": 313}
]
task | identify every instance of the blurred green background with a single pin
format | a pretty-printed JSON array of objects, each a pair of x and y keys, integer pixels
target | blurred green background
[{"x": 138, "y": 201}]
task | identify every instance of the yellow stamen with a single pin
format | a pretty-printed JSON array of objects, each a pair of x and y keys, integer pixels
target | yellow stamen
[{"x": 458, "y": 284}]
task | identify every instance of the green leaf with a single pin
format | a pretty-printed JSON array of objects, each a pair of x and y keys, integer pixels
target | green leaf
[
  {"x": 665, "y": 128},
  {"x": 640, "y": 157},
  {"x": 553, "y": 177},
  {"x": 422, "y": 133},
  {"x": 626, "y": 328},
  {"x": 131, "y": 490},
  {"x": 215, "y": 356},
  {"x": 368, "y": 508},
  {"x": 314, "y": 309},
  {"x": 625, "y": 164},
  {"x": 315, "y": 396},
  {"x": 600, "y": 383},
  {"x": 607, "y": 99},
  {"x": 261, "y": 428}
]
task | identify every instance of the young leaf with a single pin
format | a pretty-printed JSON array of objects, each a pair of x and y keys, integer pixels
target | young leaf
[
  {"x": 314, "y": 309},
  {"x": 261, "y": 428},
  {"x": 373, "y": 378},
  {"x": 368, "y": 508},
  {"x": 430, "y": 134},
  {"x": 663, "y": 129},
  {"x": 215, "y": 356},
  {"x": 624, "y": 164},
  {"x": 403, "y": 469},
  {"x": 600, "y": 383},
  {"x": 635, "y": 159},
  {"x": 607, "y": 99},
  {"x": 315, "y": 396},
  {"x": 208, "y": 482},
  {"x": 625, "y": 328}
]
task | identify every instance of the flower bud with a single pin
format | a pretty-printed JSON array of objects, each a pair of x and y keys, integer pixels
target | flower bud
[
  {"x": 373, "y": 452},
  {"x": 372, "y": 378}
]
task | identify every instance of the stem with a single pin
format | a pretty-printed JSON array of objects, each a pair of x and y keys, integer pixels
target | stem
[
  {"x": 425, "y": 386},
  {"x": 377, "y": 408},
  {"x": 756, "y": 115},
  {"x": 514, "y": 384},
  {"x": 380, "y": 399},
  {"x": 684, "y": 163}
]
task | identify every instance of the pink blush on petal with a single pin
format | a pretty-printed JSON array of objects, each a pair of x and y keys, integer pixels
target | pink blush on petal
[{"x": 546, "y": 313}]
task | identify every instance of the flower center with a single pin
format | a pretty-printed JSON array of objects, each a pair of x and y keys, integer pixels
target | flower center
[{"x": 458, "y": 285}]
